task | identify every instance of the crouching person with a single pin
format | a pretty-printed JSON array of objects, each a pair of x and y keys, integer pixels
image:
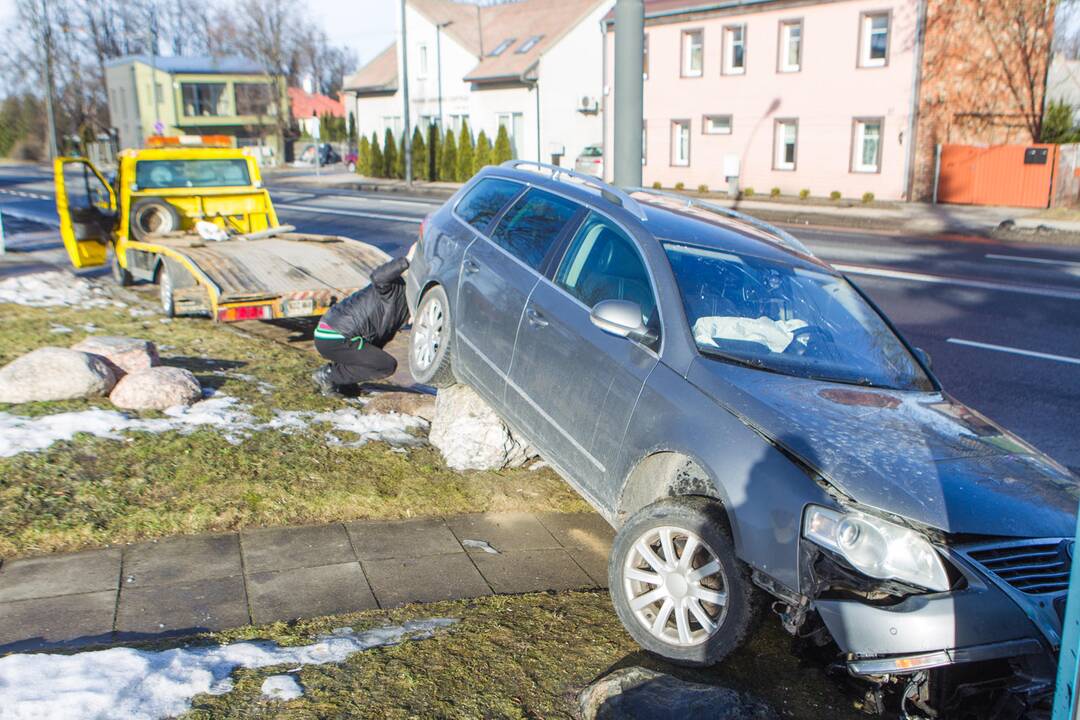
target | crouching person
[{"x": 352, "y": 334}]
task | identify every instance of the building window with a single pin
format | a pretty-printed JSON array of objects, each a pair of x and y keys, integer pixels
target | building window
[
  {"x": 393, "y": 123},
  {"x": 680, "y": 142},
  {"x": 501, "y": 47},
  {"x": 716, "y": 125},
  {"x": 515, "y": 128},
  {"x": 874, "y": 40},
  {"x": 734, "y": 50},
  {"x": 252, "y": 98},
  {"x": 866, "y": 145},
  {"x": 456, "y": 120},
  {"x": 786, "y": 143},
  {"x": 202, "y": 99},
  {"x": 693, "y": 52},
  {"x": 645, "y": 57},
  {"x": 529, "y": 44},
  {"x": 421, "y": 64},
  {"x": 791, "y": 34}
]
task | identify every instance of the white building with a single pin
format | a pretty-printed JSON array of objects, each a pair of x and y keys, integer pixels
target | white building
[{"x": 533, "y": 66}]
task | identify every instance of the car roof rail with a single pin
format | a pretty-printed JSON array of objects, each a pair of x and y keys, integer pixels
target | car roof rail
[
  {"x": 783, "y": 236},
  {"x": 608, "y": 191}
]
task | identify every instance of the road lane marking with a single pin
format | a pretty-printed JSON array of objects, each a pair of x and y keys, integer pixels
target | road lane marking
[
  {"x": 1015, "y": 351},
  {"x": 959, "y": 282},
  {"x": 351, "y": 213},
  {"x": 21, "y": 193},
  {"x": 1027, "y": 259}
]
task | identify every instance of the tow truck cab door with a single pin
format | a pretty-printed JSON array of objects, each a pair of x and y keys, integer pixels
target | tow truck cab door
[{"x": 86, "y": 205}]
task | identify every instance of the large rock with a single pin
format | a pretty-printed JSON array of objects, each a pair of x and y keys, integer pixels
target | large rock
[
  {"x": 156, "y": 388},
  {"x": 471, "y": 436},
  {"x": 126, "y": 353},
  {"x": 635, "y": 693},
  {"x": 52, "y": 373}
]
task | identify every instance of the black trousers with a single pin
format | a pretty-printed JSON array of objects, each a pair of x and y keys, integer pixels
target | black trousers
[{"x": 349, "y": 365}]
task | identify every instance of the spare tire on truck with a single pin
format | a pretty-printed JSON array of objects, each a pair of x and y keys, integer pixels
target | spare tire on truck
[{"x": 152, "y": 216}]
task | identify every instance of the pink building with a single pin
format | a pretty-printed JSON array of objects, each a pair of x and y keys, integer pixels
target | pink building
[{"x": 778, "y": 93}]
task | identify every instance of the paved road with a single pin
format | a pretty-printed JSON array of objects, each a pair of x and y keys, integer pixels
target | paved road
[{"x": 1001, "y": 321}]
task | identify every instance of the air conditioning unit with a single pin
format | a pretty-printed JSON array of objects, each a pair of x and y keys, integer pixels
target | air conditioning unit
[{"x": 588, "y": 104}]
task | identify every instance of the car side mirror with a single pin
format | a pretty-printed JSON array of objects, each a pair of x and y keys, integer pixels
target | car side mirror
[
  {"x": 924, "y": 357},
  {"x": 622, "y": 318}
]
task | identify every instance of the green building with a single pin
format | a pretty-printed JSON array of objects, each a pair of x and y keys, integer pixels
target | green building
[{"x": 196, "y": 96}]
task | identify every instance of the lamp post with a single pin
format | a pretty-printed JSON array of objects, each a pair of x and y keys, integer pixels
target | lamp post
[
  {"x": 406, "y": 141},
  {"x": 438, "y": 64}
]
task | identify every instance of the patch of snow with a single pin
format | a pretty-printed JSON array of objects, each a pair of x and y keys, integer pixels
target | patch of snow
[
  {"x": 30, "y": 434},
  {"x": 479, "y": 545},
  {"x": 147, "y": 684},
  {"x": 59, "y": 329},
  {"x": 281, "y": 687},
  {"x": 52, "y": 288},
  {"x": 140, "y": 312}
]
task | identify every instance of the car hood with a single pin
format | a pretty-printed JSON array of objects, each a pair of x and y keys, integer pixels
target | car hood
[{"x": 920, "y": 455}]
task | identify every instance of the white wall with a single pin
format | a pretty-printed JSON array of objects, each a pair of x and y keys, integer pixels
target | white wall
[
  {"x": 487, "y": 104},
  {"x": 570, "y": 70},
  {"x": 123, "y": 104}
]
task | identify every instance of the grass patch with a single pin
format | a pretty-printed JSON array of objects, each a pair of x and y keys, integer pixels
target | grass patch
[
  {"x": 521, "y": 656},
  {"x": 92, "y": 491}
]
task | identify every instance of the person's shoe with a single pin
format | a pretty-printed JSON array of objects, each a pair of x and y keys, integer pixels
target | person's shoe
[{"x": 321, "y": 378}]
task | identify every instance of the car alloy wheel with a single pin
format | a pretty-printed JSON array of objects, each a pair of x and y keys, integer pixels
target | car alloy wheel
[
  {"x": 428, "y": 334},
  {"x": 676, "y": 586}
]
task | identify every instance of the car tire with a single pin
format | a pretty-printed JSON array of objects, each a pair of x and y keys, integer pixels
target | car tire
[
  {"x": 690, "y": 620},
  {"x": 429, "y": 341},
  {"x": 171, "y": 276},
  {"x": 121, "y": 275},
  {"x": 153, "y": 216}
]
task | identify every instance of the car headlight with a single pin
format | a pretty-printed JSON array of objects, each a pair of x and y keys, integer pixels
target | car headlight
[{"x": 876, "y": 547}]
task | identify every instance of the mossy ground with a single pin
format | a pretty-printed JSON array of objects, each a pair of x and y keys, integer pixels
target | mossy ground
[
  {"x": 92, "y": 492},
  {"x": 524, "y": 656}
]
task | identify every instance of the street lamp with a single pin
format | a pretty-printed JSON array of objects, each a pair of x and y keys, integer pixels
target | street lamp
[{"x": 438, "y": 64}]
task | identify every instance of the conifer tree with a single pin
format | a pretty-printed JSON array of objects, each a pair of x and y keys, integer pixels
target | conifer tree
[
  {"x": 377, "y": 164},
  {"x": 448, "y": 159},
  {"x": 483, "y": 152},
  {"x": 399, "y": 164},
  {"x": 363, "y": 156},
  {"x": 465, "y": 153},
  {"x": 419, "y": 154},
  {"x": 433, "y": 149},
  {"x": 503, "y": 150},
  {"x": 389, "y": 152}
]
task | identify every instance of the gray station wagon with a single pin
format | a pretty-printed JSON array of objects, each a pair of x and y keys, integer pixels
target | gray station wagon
[{"x": 755, "y": 429}]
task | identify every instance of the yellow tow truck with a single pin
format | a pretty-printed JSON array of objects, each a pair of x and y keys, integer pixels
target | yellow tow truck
[{"x": 190, "y": 213}]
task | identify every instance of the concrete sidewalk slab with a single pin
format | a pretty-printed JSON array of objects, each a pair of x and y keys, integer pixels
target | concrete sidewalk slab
[{"x": 184, "y": 585}]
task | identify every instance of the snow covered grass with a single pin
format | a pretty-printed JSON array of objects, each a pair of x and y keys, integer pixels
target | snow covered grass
[
  {"x": 48, "y": 289},
  {"x": 262, "y": 450},
  {"x": 146, "y": 684}
]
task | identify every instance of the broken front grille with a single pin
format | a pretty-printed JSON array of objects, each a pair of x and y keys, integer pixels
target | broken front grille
[{"x": 1035, "y": 567}]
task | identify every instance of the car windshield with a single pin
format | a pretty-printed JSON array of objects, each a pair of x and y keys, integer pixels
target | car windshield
[
  {"x": 156, "y": 174},
  {"x": 788, "y": 319}
]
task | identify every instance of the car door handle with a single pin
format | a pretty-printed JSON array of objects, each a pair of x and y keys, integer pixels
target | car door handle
[
  {"x": 535, "y": 319},
  {"x": 470, "y": 266}
]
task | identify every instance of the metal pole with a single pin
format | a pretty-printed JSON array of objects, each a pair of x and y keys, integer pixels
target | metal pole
[
  {"x": 153, "y": 64},
  {"x": 3, "y": 243},
  {"x": 937, "y": 171},
  {"x": 438, "y": 63},
  {"x": 536, "y": 87},
  {"x": 629, "y": 90},
  {"x": 47, "y": 37},
  {"x": 407, "y": 140}
]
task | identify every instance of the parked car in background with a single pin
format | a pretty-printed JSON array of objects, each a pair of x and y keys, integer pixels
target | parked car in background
[
  {"x": 351, "y": 159},
  {"x": 327, "y": 155},
  {"x": 755, "y": 429},
  {"x": 591, "y": 161}
]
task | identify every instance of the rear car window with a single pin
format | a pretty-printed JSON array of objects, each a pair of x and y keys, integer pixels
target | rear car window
[
  {"x": 160, "y": 174},
  {"x": 485, "y": 200},
  {"x": 531, "y": 226}
]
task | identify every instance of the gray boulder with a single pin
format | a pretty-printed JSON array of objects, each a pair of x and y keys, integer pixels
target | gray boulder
[
  {"x": 52, "y": 373},
  {"x": 638, "y": 694},
  {"x": 126, "y": 353},
  {"x": 471, "y": 436},
  {"x": 156, "y": 388}
]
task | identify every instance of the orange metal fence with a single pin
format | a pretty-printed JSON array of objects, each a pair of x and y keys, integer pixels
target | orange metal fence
[{"x": 1015, "y": 175}]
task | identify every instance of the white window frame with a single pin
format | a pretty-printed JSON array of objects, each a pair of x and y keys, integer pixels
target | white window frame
[
  {"x": 866, "y": 33},
  {"x": 858, "y": 142},
  {"x": 780, "y": 161},
  {"x": 707, "y": 127},
  {"x": 421, "y": 61},
  {"x": 784, "y": 46},
  {"x": 510, "y": 120},
  {"x": 686, "y": 50},
  {"x": 677, "y": 158},
  {"x": 728, "y": 67}
]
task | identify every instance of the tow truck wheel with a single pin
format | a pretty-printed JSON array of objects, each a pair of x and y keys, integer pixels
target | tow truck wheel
[
  {"x": 676, "y": 584},
  {"x": 170, "y": 276},
  {"x": 119, "y": 273},
  {"x": 429, "y": 343}
]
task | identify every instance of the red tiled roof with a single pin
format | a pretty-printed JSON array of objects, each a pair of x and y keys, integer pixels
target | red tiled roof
[{"x": 304, "y": 104}]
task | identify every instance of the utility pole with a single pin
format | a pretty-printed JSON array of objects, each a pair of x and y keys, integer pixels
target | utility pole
[
  {"x": 47, "y": 38},
  {"x": 153, "y": 64},
  {"x": 629, "y": 90},
  {"x": 438, "y": 64},
  {"x": 407, "y": 140}
]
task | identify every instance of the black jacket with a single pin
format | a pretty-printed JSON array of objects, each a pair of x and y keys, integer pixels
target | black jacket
[{"x": 378, "y": 311}]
